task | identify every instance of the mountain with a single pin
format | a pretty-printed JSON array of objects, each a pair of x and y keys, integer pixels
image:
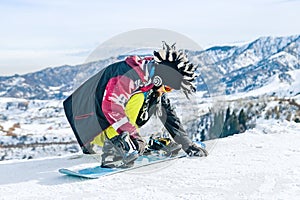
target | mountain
[
  {"x": 50, "y": 83},
  {"x": 223, "y": 69},
  {"x": 244, "y": 68}
]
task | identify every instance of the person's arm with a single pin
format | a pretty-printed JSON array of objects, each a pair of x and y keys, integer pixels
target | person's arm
[
  {"x": 174, "y": 127},
  {"x": 173, "y": 124}
]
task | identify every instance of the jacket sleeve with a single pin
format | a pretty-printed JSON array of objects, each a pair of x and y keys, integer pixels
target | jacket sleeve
[
  {"x": 117, "y": 93},
  {"x": 172, "y": 123}
]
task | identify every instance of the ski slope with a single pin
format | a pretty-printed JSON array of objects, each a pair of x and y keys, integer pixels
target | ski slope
[{"x": 263, "y": 163}]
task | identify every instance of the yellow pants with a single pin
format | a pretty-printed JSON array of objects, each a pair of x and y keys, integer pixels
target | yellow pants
[{"x": 132, "y": 109}]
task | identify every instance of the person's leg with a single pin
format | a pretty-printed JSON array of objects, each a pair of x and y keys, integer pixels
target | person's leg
[
  {"x": 114, "y": 154},
  {"x": 132, "y": 110}
]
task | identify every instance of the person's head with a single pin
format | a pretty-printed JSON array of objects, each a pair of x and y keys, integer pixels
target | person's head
[{"x": 173, "y": 70}]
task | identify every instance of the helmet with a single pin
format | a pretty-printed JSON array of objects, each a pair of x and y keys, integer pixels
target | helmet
[{"x": 174, "y": 69}]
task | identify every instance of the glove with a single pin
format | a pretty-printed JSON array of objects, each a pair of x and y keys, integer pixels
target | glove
[
  {"x": 139, "y": 143},
  {"x": 195, "y": 150}
]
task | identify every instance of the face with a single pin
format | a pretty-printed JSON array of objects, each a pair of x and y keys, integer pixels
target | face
[{"x": 164, "y": 89}]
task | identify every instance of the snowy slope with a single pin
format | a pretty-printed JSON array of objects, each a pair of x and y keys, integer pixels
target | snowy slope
[
  {"x": 263, "y": 163},
  {"x": 276, "y": 86}
]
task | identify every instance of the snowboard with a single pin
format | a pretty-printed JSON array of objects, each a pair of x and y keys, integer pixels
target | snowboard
[
  {"x": 98, "y": 171},
  {"x": 142, "y": 161}
]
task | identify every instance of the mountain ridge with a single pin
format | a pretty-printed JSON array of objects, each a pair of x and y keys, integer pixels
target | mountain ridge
[{"x": 226, "y": 69}]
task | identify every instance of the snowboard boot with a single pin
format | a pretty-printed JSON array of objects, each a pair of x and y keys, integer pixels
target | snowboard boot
[
  {"x": 118, "y": 152},
  {"x": 165, "y": 144}
]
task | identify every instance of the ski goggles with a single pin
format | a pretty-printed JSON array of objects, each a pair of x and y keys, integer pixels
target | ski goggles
[{"x": 167, "y": 89}]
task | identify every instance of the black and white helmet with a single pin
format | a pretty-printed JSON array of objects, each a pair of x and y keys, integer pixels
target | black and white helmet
[{"x": 174, "y": 69}]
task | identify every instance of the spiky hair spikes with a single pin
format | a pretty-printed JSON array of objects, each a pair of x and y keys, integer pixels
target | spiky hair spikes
[{"x": 177, "y": 60}]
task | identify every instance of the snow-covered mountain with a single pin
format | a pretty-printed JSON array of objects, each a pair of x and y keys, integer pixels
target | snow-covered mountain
[
  {"x": 225, "y": 69},
  {"x": 250, "y": 66},
  {"x": 50, "y": 83}
]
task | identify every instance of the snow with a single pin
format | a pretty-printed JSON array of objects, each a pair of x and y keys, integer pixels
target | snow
[
  {"x": 245, "y": 59},
  {"x": 34, "y": 129},
  {"x": 282, "y": 88},
  {"x": 262, "y": 163}
]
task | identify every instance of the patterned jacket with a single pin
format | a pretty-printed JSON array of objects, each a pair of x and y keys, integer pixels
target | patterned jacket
[{"x": 100, "y": 101}]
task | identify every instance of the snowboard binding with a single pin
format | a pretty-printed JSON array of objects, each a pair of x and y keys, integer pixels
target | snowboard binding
[
  {"x": 118, "y": 152},
  {"x": 164, "y": 144}
]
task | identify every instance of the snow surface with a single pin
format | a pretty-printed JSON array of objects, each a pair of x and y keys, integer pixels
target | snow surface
[{"x": 262, "y": 163}]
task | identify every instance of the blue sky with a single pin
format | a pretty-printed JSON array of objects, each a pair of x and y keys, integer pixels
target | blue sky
[{"x": 36, "y": 34}]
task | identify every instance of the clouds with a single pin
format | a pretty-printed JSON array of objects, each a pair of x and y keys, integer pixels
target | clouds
[{"x": 59, "y": 25}]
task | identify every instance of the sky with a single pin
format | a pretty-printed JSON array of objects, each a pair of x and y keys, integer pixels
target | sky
[{"x": 36, "y": 34}]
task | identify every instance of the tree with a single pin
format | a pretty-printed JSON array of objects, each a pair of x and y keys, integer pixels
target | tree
[
  {"x": 202, "y": 135},
  {"x": 234, "y": 127},
  {"x": 215, "y": 129},
  {"x": 227, "y": 114},
  {"x": 226, "y": 125},
  {"x": 242, "y": 120}
]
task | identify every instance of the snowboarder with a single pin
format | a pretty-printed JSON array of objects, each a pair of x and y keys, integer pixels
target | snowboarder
[{"x": 108, "y": 109}]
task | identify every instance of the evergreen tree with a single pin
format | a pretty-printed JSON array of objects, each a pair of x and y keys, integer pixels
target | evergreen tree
[
  {"x": 215, "y": 129},
  {"x": 242, "y": 120},
  {"x": 226, "y": 125},
  {"x": 202, "y": 135},
  {"x": 234, "y": 127},
  {"x": 236, "y": 124},
  {"x": 227, "y": 114}
]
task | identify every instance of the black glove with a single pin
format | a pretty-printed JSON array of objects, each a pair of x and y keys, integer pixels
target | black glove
[{"x": 195, "y": 150}]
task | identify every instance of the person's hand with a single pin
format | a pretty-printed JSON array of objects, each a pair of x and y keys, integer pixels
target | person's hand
[
  {"x": 195, "y": 150},
  {"x": 139, "y": 143}
]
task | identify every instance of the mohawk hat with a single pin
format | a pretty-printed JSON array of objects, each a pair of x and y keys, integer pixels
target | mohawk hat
[{"x": 173, "y": 69}]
